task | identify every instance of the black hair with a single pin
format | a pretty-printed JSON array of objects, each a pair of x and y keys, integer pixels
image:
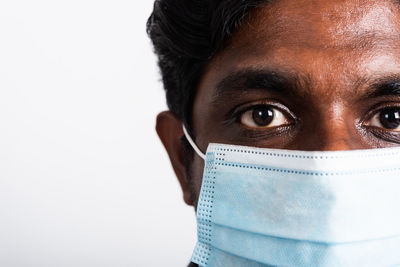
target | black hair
[{"x": 186, "y": 34}]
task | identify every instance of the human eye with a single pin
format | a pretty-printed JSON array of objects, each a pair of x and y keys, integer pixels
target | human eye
[
  {"x": 386, "y": 118},
  {"x": 264, "y": 116}
]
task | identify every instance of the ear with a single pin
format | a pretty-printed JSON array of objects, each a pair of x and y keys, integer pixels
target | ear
[{"x": 169, "y": 130}]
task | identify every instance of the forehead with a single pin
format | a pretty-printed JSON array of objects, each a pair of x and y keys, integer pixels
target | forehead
[
  {"x": 324, "y": 24},
  {"x": 324, "y": 40}
]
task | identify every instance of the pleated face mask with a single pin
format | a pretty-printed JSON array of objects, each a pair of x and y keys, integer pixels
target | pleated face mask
[{"x": 272, "y": 207}]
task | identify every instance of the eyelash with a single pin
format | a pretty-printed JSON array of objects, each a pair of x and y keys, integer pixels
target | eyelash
[
  {"x": 379, "y": 107},
  {"x": 239, "y": 111},
  {"x": 235, "y": 115},
  {"x": 376, "y": 110}
]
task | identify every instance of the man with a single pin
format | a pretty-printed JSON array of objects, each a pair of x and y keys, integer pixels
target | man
[{"x": 303, "y": 75}]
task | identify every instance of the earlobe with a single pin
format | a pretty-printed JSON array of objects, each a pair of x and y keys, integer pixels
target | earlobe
[{"x": 169, "y": 130}]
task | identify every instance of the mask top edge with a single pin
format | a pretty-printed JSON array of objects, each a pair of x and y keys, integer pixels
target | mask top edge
[{"x": 213, "y": 147}]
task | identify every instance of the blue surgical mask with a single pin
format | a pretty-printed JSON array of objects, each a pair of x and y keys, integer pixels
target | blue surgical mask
[{"x": 273, "y": 207}]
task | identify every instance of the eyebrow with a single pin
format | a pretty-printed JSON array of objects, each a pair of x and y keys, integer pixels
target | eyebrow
[
  {"x": 384, "y": 87},
  {"x": 246, "y": 80},
  {"x": 285, "y": 83},
  {"x": 388, "y": 88}
]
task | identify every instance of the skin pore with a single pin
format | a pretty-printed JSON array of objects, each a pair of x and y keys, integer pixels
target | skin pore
[{"x": 300, "y": 75}]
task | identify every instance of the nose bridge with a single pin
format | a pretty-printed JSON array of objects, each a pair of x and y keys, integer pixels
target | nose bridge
[
  {"x": 332, "y": 129},
  {"x": 336, "y": 136}
]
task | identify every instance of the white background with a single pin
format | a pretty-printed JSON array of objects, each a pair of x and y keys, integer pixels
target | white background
[{"x": 84, "y": 180}]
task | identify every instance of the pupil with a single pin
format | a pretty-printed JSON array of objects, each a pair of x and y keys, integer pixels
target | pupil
[
  {"x": 263, "y": 116},
  {"x": 390, "y": 118}
]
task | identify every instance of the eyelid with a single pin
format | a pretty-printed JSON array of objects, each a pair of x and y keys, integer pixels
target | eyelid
[
  {"x": 238, "y": 111},
  {"x": 279, "y": 120},
  {"x": 375, "y": 122},
  {"x": 377, "y": 108}
]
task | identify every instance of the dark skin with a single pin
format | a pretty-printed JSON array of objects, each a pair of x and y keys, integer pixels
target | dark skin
[{"x": 326, "y": 72}]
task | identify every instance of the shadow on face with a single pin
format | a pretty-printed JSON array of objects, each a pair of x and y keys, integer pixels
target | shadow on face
[{"x": 304, "y": 75}]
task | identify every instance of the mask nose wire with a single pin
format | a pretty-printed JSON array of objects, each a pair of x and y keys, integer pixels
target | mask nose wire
[{"x": 194, "y": 146}]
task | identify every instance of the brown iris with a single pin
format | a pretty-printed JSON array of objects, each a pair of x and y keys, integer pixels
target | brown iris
[
  {"x": 263, "y": 115},
  {"x": 390, "y": 118}
]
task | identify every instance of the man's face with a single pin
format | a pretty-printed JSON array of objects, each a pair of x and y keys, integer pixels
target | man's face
[{"x": 304, "y": 75}]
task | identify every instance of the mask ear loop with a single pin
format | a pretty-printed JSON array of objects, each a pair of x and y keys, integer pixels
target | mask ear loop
[{"x": 194, "y": 146}]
